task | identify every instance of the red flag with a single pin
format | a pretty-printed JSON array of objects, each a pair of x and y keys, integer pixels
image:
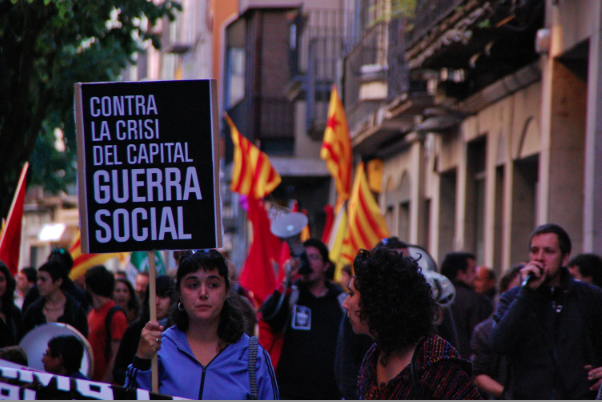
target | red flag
[
  {"x": 10, "y": 244},
  {"x": 258, "y": 273},
  {"x": 328, "y": 224}
]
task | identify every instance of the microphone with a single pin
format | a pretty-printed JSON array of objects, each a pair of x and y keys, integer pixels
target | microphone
[{"x": 529, "y": 278}]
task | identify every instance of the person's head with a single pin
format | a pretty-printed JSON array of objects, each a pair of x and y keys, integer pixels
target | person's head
[
  {"x": 63, "y": 355},
  {"x": 62, "y": 255},
  {"x": 511, "y": 277},
  {"x": 100, "y": 282},
  {"x": 550, "y": 245},
  {"x": 390, "y": 300},
  {"x": 14, "y": 354},
  {"x": 141, "y": 284},
  {"x": 321, "y": 266},
  {"x": 484, "y": 281},
  {"x": 346, "y": 275},
  {"x": 587, "y": 268},
  {"x": 124, "y": 295},
  {"x": 51, "y": 277},
  {"x": 460, "y": 266},
  {"x": 202, "y": 287},
  {"x": 120, "y": 275},
  {"x": 166, "y": 298},
  {"x": 26, "y": 278},
  {"x": 7, "y": 287},
  {"x": 393, "y": 243}
]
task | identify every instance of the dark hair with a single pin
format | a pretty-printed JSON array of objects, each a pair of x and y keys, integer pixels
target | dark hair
[
  {"x": 70, "y": 348},
  {"x": 590, "y": 265},
  {"x": 62, "y": 255},
  {"x": 14, "y": 354},
  {"x": 454, "y": 263},
  {"x": 133, "y": 304},
  {"x": 31, "y": 273},
  {"x": 322, "y": 248},
  {"x": 231, "y": 322},
  {"x": 55, "y": 269},
  {"x": 393, "y": 243},
  {"x": 347, "y": 268},
  {"x": 564, "y": 241},
  {"x": 8, "y": 297},
  {"x": 509, "y": 276},
  {"x": 165, "y": 287},
  {"x": 396, "y": 301},
  {"x": 100, "y": 281}
]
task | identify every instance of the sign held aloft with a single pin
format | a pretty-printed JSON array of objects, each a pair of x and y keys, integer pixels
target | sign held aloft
[{"x": 148, "y": 165}]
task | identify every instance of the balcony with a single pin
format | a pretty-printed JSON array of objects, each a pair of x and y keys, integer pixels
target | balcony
[{"x": 429, "y": 13}]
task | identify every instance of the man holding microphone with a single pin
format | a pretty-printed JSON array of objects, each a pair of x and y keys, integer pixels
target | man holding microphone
[{"x": 549, "y": 328}]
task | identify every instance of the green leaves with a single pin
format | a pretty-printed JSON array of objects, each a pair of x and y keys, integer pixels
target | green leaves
[{"x": 46, "y": 46}]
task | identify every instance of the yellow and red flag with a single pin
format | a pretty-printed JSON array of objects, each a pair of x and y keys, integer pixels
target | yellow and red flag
[
  {"x": 252, "y": 174},
  {"x": 10, "y": 242},
  {"x": 336, "y": 147},
  {"x": 82, "y": 262},
  {"x": 366, "y": 223}
]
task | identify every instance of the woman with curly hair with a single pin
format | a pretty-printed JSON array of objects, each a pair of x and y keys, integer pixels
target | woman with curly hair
[
  {"x": 206, "y": 355},
  {"x": 391, "y": 301}
]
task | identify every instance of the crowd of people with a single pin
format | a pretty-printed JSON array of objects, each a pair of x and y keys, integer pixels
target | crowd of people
[{"x": 378, "y": 334}]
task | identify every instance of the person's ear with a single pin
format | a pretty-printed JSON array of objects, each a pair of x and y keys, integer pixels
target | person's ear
[{"x": 59, "y": 282}]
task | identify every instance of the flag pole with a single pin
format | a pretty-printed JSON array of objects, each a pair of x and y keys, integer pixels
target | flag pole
[{"x": 152, "y": 295}]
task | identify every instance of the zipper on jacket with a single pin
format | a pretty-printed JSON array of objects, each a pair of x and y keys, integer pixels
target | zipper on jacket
[{"x": 202, "y": 383}]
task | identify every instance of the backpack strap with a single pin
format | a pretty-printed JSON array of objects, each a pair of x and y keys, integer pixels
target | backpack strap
[
  {"x": 108, "y": 320},
  {"x": 252, "y": 360}
]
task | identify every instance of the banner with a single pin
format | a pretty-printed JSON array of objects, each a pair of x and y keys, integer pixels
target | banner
[
  {"x": 148, "y": 165},
  {"x": 23, "y": 384}
]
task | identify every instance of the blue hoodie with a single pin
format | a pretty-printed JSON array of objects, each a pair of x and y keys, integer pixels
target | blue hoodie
[{"x": 225, "y": 377}]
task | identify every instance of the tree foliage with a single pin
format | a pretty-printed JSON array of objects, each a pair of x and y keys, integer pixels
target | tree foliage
[{"x": 46, "y": 46}]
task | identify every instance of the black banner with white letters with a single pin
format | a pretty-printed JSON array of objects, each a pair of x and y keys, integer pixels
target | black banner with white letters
[
  {"x": 23, "y": 384},
  {"x": 148, "y": 166}
]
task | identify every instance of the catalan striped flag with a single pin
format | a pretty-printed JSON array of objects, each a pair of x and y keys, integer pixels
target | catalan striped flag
[
  {"x": 366, "y": 224},
  {"x": 82, "y": 262},
  {"x": 253, "y": 174},
  {"x": 336, "y": 147}
]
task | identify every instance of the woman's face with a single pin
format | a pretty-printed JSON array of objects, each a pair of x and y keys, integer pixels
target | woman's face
[
  {"x": 352, "y": 305},
  {"x": 203, "y": 294},
  {"x": 45, "y": 284},
  {"x": 3, "y": 284},
  {"x": 121, "y": 294}
]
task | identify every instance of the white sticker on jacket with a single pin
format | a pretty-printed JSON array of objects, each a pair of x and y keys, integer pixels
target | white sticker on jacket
[{"x": 301, "y": 318}]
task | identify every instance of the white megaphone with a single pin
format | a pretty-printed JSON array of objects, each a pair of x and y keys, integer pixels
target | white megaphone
[
  {"x": 288, "y": 227},
  {"x": 443, "y": 290}
]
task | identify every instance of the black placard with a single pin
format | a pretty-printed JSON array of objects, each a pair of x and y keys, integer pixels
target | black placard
[{"x": 148, "y": 166}]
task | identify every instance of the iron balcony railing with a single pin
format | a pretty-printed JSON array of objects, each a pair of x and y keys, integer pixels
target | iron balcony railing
[{"x": 427, "y": 15}]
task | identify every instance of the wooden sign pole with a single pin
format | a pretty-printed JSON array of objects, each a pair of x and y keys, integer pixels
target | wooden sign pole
[{"x": 152, "y": 296}]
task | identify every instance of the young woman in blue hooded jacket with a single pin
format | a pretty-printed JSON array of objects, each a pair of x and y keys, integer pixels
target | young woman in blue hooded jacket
[{"x": 206, "y": 354}]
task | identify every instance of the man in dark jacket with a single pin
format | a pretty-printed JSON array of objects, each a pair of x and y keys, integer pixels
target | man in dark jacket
[
  {"x": 549, "y": 328},
  {"x": 469, "y": 308},
  {"x": 309, "y": 315}
]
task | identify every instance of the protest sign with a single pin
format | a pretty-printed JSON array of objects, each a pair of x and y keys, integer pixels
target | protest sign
[{"x": 148, "y": 165}]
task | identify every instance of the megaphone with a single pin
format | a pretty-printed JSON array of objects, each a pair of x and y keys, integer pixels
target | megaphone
[
  {"x": 288, "y": 227},
  {"x": 443, "y": 290}
]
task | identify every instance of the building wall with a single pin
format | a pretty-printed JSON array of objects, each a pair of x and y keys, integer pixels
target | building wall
[{"x": 433, "y": 174}]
